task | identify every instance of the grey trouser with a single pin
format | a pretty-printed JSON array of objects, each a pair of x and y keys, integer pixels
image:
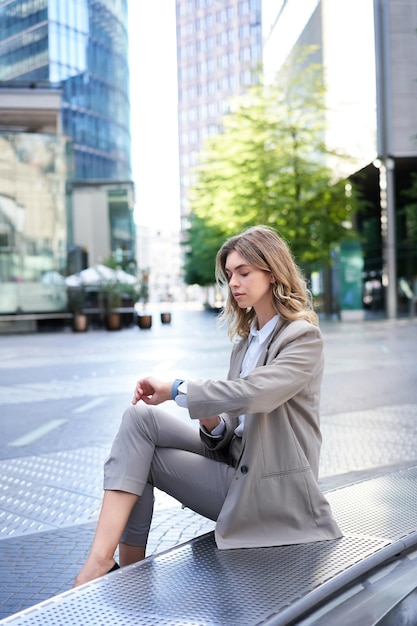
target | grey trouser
[{"x": 155, "y": 449}]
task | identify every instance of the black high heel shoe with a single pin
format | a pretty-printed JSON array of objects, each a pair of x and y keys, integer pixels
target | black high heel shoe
[{"x": 114, "y": 568}]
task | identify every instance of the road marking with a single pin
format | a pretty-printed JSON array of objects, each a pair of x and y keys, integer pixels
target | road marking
[
  {"x": 37, "y": 433},
  {"x": 89, "y": 405}
]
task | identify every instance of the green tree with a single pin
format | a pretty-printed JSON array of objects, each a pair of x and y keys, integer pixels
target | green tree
[
  {"x": 270, "y": 165},
  {"x": 202, "y": 244}
]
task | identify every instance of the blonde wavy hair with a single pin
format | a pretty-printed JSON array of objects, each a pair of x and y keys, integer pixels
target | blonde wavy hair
[{"x": 264, "y": 249}]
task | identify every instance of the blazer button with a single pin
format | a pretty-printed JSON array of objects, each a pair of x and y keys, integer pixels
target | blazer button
[{"x": 244, "y": 469}]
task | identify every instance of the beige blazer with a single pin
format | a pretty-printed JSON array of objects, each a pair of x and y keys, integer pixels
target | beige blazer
[{"x": 274, "y": 498}]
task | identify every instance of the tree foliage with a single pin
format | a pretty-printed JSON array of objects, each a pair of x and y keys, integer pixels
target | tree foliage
[
  {"x": 270, "y": 165},
  {"x": 204, "y": 241}
]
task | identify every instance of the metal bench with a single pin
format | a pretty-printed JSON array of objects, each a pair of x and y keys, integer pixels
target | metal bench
[{"x": 196, "y": 584}]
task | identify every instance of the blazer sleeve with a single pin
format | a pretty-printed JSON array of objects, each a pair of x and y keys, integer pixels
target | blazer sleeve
[{"x": 296, "y": 357}]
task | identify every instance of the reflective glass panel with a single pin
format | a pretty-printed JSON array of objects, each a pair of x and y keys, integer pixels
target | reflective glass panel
[{"x": 32, "y": 222}]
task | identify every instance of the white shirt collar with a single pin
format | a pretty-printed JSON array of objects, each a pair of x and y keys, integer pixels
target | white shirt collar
[{"x": 263, "y": 334}]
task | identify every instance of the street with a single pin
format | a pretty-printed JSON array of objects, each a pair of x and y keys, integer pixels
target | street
[{"x": 62, "y": 395}]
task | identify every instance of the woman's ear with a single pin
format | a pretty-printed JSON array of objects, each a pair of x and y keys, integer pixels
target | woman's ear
[{"x": 272, "y": 278}]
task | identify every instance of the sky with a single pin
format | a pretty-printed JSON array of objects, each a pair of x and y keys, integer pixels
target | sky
[{"x": 153, "y": 102}]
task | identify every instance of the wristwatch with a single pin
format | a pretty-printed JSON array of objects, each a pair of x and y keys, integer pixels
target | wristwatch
[{"x": 174, "y": 390}]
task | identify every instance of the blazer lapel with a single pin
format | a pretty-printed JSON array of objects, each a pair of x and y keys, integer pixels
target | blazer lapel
[
  {"x": 263, "y": 359},
  {"x": 237, "y": 359}
]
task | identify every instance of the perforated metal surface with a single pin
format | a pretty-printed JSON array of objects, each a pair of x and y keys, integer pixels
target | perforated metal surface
[
  {"x": 368, "y": 438},
  {"x": 50, "y": 491},
  {"x": 197, "y": 584},
  {"x": 385, "y": 507}
]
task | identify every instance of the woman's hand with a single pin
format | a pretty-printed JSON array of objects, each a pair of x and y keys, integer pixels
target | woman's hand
[{"x": 152, "y": 391}]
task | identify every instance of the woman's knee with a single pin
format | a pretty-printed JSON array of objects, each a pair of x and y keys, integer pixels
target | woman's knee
[
  {"x": 135, "y": 411},
  {"x": 147, "y": 420},
  {"x": 136, "y": 418},
  {"x": 159, "y": 427}
]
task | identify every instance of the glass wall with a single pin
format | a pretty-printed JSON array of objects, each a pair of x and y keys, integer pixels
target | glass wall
[
  {"x": 82, "y": 46},
  {"x": 33, "y": 242},
  {"x": 122, "y": 228},
  {"x": 88, "y": 57},
  {"x": 24, "y": 40}
]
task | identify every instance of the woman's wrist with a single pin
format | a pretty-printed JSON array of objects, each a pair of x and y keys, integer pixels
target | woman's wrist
[{"x": 210, "y": 423}]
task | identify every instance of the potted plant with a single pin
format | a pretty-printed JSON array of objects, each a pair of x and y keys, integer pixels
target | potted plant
[
  {"x": 165, "y": 317},
  {"x": 114, "y": 294},
  {"x": 144, "y": 320},
  {"x": 76, "y": 303}
]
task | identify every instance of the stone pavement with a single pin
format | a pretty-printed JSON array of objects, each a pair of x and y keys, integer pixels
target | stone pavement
[{"x": 58, "y": 395}]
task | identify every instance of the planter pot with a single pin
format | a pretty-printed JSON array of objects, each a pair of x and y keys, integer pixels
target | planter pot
[
  {"x": 113, "y": 321},
  {"x": 79, "y": 322},
  {"x": 144, "y": 321},
  {"x": 166, "y": 318}
]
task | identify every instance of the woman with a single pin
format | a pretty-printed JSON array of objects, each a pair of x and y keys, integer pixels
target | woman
[{"x": 253, "y": 464}]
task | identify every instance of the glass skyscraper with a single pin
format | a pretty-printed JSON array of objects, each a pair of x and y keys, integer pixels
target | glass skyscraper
[{"x": 81, "y": 47}]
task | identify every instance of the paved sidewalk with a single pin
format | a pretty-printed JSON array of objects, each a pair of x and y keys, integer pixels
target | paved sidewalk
[{"x": 51, "y": 485}]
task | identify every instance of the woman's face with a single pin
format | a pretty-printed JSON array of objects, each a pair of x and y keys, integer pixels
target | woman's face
[{"x": 250, "y": 286}]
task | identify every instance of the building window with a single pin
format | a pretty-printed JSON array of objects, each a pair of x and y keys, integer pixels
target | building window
[
  {"x": 191, "y": 72},
  {"x": 245, "y": 77},
  {"x": 193, "y": 136},
  {"x": 244, "y": 31},
  {"x": 244, "y": 7},
  {"x": 222, "y": 61},
  {"x": 245, "y": 54},
  {"x": 221, "y": 16},
  {"x": 204, "y": 67},
  {"x": 192, "y": 114},
  {"x": 222, "y": 38}
]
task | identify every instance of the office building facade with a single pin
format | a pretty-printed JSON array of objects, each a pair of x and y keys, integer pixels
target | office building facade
[{"x": 219, "y": 47}]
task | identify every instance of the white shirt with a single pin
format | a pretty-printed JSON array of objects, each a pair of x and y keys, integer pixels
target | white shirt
[{"x": 257, "y": 341}]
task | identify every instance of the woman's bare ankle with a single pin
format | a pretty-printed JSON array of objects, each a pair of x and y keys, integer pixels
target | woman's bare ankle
[{"x": 93, "y": 568}]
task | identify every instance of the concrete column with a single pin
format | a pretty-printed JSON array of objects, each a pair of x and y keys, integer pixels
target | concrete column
[{"x": 385, "y": 162}]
